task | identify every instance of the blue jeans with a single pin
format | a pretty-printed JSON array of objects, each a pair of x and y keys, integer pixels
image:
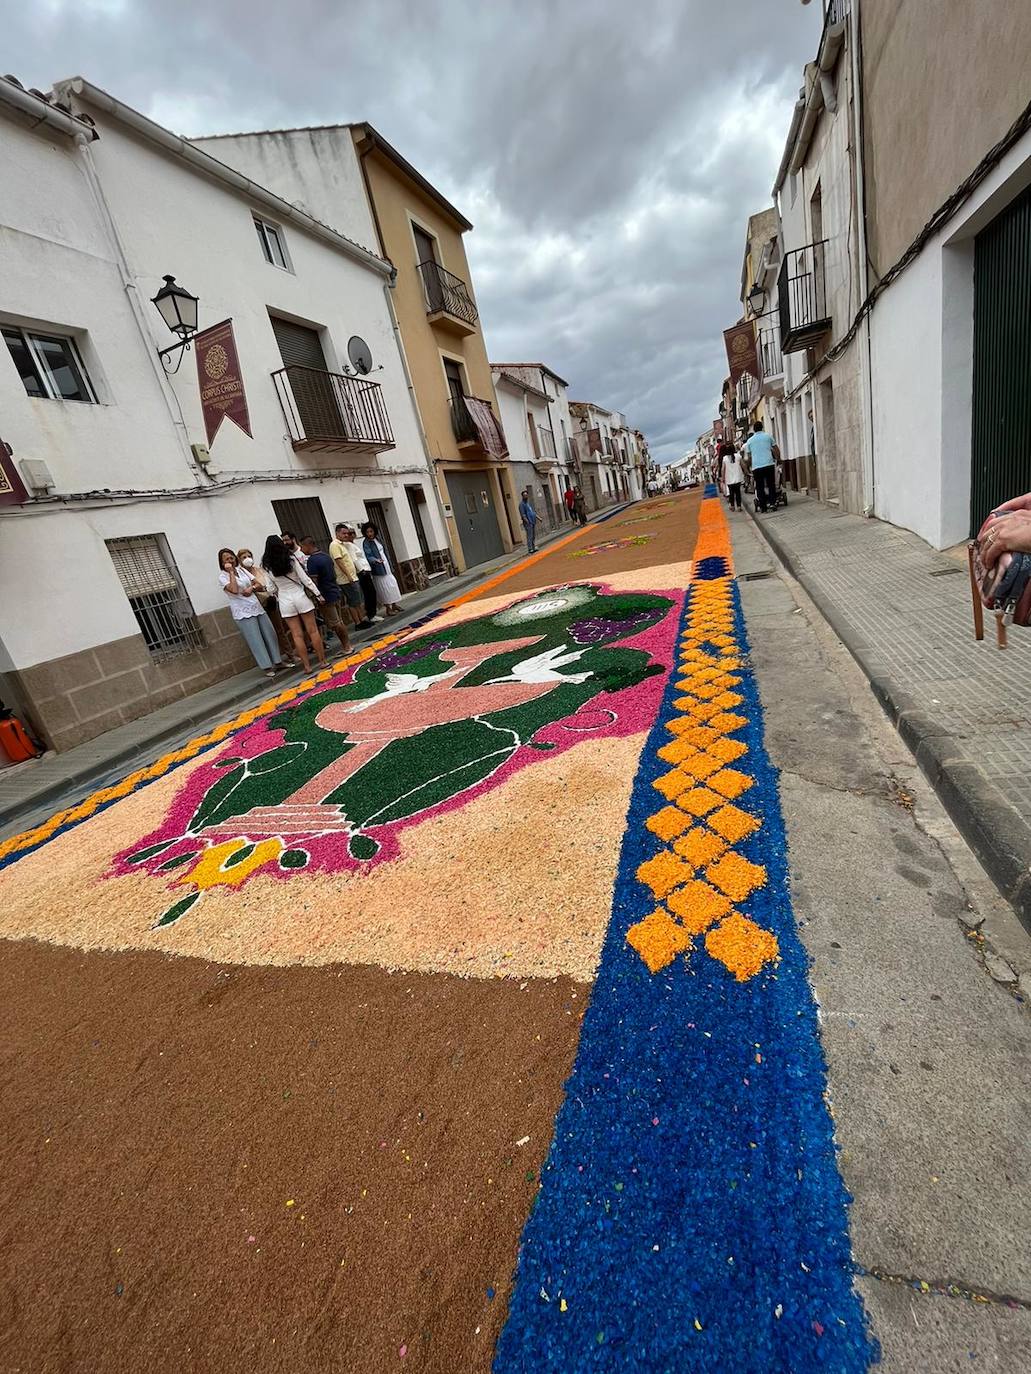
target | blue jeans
[
  {"x": 531, "y": 538},
  {"x": 261, "y": 639}
]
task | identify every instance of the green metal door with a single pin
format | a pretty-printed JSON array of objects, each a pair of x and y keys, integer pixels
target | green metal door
[{"x": 1001, "y": 439}]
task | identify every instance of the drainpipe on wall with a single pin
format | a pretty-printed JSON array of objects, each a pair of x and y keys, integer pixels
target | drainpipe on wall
[
  {"x": 450, "y": 529},
  {"x": 865, "y": 344},
  {"x": 84, "y": 144}
]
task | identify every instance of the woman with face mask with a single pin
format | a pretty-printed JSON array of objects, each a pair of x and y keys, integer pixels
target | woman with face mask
[
  {"x": 270, "y": 603},
  {"x": 250, "y": 618}
]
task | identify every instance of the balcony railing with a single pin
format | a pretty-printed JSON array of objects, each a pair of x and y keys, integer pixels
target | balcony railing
[
  {"x": 546, "y": 440},
  {"x": 328, "y": 410},
  {"x": 802, "y": 297},
  {"x": 835, "y": 11},
  {"x": 771, "y": 360},
  {"x": 448, "y": 295},
  {"x": 466, "y": 430}
]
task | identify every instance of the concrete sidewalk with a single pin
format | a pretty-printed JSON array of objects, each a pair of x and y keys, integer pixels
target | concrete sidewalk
[
  {"x": 31, "y": 792},
  {"x": 904, "y": 613}
]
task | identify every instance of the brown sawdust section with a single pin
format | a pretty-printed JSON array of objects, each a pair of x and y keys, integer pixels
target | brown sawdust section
[
  {"x": 673, "y": 531},
  {"x": 158, "y": 1112}
]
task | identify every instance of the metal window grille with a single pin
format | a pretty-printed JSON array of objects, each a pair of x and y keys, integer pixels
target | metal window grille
[{"x": 151, "y": 581}]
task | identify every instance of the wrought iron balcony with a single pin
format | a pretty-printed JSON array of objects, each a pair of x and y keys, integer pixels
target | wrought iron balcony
[
  {"x": 326, "y": 410},
  {"x": 771, "y": 360},
  {"x": 802, "y": 297},
  {"x": 546, "y": 443},
  {"x": 448, "y": 300},
  {"x": 488, "y": 439}
]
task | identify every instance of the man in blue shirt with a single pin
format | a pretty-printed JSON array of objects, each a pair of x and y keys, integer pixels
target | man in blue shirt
[
  {"x": 528, "y": 516},
  {"x": 763, "y": 455},
  {"x": 322, "y": 571}
]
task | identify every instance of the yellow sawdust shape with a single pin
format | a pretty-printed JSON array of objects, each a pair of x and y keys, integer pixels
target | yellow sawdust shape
[
  {"x": 736, "y": 876},
  {"x": 668, "y": 823},
  {"x": 700, "y": 846},
  {"x": 665, "y": 872},
  {"x": 658, "y": 939},
  {"x": 732, "y": 823},
  {"x": 698, "y": 905},
  {"x": 741, "y": 946}
]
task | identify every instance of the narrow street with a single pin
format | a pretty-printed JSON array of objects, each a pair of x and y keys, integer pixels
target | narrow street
[{"x": 530, "y": 992}]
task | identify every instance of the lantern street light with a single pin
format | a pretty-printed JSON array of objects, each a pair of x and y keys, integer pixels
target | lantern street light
[
  {"x": 757, "y": 299},
  {"x": 178, "y": 309}
]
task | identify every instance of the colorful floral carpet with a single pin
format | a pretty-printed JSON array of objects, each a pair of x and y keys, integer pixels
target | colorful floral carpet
[{"x": 292, "y": 1013}]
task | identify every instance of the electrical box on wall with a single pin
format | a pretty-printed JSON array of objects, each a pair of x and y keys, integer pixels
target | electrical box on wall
[
  {"x": 201, "y": 454},
  {"x": 36, "y": 476}
]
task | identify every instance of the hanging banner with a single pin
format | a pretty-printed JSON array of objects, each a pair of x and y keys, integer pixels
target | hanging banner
[
  {"x": 741, "y": 355},
  {"x": 12, "y": 488},
  {"x": 221, "y": 384},
  {"x": 594, "y": 444}
]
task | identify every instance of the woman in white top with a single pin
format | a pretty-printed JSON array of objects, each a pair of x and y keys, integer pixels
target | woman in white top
[
  {"x": 732, "y": 475},
  {"x": 250, "y": 618},
  {"x": 297, "y": 595},
  {"x": 388, "y": 593}
]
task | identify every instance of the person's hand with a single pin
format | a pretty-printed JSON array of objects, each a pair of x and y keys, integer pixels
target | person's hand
[
  {"x": 1018, "y": 503},
  {"x": 1011, "y": 533}
]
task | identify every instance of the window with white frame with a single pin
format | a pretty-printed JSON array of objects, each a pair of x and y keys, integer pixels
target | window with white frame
[
  {"x": 151, "y": 581},
  {"x": 273, "y": 245},
  {"x": 49, "y": 365}
]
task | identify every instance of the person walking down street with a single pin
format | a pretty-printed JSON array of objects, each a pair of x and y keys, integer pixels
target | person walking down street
[
  {"x": 349, "y": 538},
  {"x": 763, "y": 454},
  {"x": 569, "y": 498},
  {"x": 730, "y": 470},
  {"x": 352, "y": 602},
  {"x": 388, "y": 593},
  {"x": 528, "y": 516},
  {"x": 297, "y": 595},
  {"x": 579, "y": 506},
  {"x": 247, "y": 612},
  {"x": 322, "y": 571},
  {"x": 245, "y": 559}
]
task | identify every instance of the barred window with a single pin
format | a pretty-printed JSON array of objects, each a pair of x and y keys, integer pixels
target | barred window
[{"x": 156, "y": 593}]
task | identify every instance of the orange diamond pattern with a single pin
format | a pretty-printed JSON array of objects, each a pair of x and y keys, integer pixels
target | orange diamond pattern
[{"x": 697, "y": 876}]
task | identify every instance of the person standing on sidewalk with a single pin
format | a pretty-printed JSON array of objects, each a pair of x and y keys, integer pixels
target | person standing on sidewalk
[
  {"x": 349, "y": 538},
  {"x": 579, "y": 506},
  {"x": 352, "y": 601},
  {"x": 297, "y": 595},
  {"x": 270, "y": 605},
  {"x": 569, "y": 498},
  {"x": 247, "y": 612},
  {"x": 388, "y": 593},
  {"x": 763, "y": 453},
  {"x": 528, "y": 516},
  {"x": 322, "y": 571},
  {"x": 730, "y": 471}
]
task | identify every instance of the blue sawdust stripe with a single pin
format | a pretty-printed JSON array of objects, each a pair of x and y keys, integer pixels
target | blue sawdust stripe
[{"x": 716, "y": 1239}]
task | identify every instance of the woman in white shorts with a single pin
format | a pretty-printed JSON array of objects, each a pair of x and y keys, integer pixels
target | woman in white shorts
[{"x": 297, "y": 595}]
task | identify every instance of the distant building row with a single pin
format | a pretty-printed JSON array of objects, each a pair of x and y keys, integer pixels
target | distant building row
[
  {"x": 366, "y": 382},
  {"x": 888, "y": 289}
]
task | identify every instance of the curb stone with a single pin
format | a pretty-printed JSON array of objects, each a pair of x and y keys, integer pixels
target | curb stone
[{"x": 995, "y": 831}]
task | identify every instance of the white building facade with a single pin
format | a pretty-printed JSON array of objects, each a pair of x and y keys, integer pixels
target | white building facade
[
  {"x": 822, "y": 418},
  {"x": 113, "y": 606}
]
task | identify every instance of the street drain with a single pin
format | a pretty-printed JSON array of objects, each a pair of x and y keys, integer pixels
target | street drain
[
  {"x": 945, "y": 572},
  {"x": 756, "y": 576}
]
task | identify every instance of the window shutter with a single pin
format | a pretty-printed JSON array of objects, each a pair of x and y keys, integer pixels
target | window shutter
[
  {"x": 298, "y": 345},
  {"x": 140, "y": 567}
]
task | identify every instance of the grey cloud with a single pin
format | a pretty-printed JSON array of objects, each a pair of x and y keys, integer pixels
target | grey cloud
[{"x": 554, "y": 125}]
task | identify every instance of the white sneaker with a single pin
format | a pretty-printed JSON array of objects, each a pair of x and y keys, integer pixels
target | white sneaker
[{"x": 375, "y": 619}]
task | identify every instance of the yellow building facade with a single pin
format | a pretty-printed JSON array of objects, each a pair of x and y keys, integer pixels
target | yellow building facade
[{"x": 421, "y": 233}]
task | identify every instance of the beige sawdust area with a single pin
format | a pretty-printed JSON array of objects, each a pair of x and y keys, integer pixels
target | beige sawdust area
[{"x": 517, "y": 881}]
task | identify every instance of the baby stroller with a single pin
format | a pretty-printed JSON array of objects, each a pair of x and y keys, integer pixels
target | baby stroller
[{"x": 782, "y": 491}]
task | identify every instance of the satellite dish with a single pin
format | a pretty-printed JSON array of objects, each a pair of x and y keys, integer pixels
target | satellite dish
[{"x": 359, "y": 355}]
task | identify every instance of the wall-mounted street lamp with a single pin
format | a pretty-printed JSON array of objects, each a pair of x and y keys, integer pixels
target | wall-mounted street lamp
[
  {"x": 583, "y": 423},
  {"x": 178, "y": 309},
  {"x": 757, "y": 299}
]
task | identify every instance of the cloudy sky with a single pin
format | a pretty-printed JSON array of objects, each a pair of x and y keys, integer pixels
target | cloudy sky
[{"x": 608, "y": 153}]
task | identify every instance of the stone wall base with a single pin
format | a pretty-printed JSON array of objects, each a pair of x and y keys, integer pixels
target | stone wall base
[{"x": 73, "y": 699}]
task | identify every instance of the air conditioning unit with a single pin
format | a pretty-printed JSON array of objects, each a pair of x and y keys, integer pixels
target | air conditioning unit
[{"x": 36, "y": 476}]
